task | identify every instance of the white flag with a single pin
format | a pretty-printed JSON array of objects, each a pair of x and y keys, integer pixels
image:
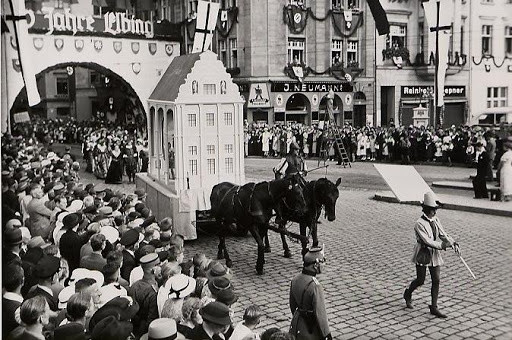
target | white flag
[
  {"x": 205, "y": 25},
  {"x": 26, "y": 60}
]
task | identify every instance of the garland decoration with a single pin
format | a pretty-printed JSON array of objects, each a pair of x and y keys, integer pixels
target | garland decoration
[{"x": 301, "y": 71}]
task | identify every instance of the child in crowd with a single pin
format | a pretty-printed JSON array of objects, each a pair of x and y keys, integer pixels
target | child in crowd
[{"x": 245, "y": 329}]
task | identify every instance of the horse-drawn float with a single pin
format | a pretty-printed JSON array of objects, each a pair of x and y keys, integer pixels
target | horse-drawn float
[{"x": 196, "y": 166}]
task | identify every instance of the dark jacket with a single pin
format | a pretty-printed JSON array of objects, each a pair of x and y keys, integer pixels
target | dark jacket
[
  {"x": 144, "y": 292},
  {"x": 53, "y": 302},
  {"x": 8, "y": 321},
  {"x": 70, "y": 245},
  {"x": 129, "y": 263}
]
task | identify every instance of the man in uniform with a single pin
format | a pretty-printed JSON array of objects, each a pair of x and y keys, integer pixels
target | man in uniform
[
  {"x": 291, "y": 164},
  {"x": 307, "y": 300}
]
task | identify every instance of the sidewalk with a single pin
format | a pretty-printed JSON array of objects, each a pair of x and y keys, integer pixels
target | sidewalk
[{"x": 454, "y": 202}]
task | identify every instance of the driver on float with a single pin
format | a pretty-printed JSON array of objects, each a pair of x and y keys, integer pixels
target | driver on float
[{"x": 291, "y": 164}]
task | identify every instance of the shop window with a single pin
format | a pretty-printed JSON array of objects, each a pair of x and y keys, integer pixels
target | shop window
[
  {"x": 336, "y": 51},
  {"x": 228, "y": 148},
  {"x": 192, "y": 119},
  {"x": 508, "y": 40},
  {"x": 62, "y": 86},
  {"x": 211, "y": 166},
  {"x": 209, "y": 89},
  {"x": 210, "y": 119},
  {"x": 192, "y": 150},
  {"x": 296, "y": 50},
  {"x": 223, "y": 52},
  {"x": 497, "y": 96},
  {"x": 228, "y": 118},
  {"x": 486, "y": 39},
  {"x": 192, "y": 167},
  {"x": 233, "y": 47},
  {"x": 63, "y": 111},
  {"x": 352, "y": 56},
  {"x": 210, "y": 149},
  {"x": 229, "y": 165},
  {"x": 397, "y": 36}
]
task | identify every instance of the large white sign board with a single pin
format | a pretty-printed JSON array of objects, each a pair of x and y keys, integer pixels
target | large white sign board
[{"x": 405, "y": 182}]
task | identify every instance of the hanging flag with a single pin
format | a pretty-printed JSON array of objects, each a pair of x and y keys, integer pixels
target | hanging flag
[
  {"x": 381, "y": 19},
  {"x": 348, "y": 18},
  {"x": 71, "y": 83},
  {"x": 207, "y": 13},
  {"x": 446, "y": 9},
  {"x": 23, "y": 45}
]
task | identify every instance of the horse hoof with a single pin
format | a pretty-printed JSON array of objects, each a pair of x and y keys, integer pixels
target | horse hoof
[
  {"x": 220, "y": 255},
  {"x": 268, "y": 249},
  {"x": 287, "y": 254},
  {"x": 229, "y": 263}
]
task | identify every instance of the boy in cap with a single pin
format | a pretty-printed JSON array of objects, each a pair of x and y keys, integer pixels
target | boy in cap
[{"x": 307, "y": 300}]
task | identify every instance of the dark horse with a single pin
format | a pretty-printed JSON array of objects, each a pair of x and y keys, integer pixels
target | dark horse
[
  {"x": 250, "y": 208},
  {"x": 318, "y": 194}
]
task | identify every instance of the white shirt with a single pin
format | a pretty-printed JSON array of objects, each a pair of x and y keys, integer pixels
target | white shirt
[{"x": 241, "y": 331}]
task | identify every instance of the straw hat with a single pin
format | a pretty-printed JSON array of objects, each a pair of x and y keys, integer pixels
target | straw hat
[{"x": 429, "y": 200}]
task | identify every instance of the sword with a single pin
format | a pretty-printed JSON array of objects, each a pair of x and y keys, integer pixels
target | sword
[
  {"x": 320, "y": 167},
  {"x": 469, "y": 269}
]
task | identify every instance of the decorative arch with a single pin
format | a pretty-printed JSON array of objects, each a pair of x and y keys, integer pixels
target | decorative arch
[
  {"x": 21, "y": 102},
  {"x": 337, "y": 105}
]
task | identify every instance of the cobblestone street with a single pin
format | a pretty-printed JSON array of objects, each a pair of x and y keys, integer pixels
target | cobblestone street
[{"x": 368, "y": 250}]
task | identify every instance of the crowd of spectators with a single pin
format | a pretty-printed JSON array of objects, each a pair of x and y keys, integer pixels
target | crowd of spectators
[
  {"x": 399, "y": 144},
  {"x": 85, "y": 262}
]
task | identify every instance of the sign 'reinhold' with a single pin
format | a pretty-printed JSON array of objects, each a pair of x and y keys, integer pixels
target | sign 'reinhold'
[{"x": 111, "y": 23}]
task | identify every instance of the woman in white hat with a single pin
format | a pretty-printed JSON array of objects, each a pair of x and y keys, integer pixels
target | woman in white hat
[{"x": 431, "y": 239}]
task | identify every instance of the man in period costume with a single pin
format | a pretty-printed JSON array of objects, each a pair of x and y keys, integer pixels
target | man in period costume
[{"x": 291, "y": 164}]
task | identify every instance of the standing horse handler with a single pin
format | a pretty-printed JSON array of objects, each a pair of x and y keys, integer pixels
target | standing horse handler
[
  {"x": 431, "y": 239},
  {"x": 307, "y": 300}
]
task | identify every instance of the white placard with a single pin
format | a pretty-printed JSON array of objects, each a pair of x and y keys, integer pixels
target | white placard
[{"x": 405, "y": 182}]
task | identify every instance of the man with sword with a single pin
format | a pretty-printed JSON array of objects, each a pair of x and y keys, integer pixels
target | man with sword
[{"x": 430, "y": 240}]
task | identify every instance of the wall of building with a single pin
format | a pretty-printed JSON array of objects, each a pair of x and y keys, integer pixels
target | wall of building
[{"x": 499, "y": 15}]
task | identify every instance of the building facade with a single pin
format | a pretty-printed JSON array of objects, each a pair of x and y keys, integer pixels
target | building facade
[
  {"x": 490, "y": 48},
  {"x": 286, "y": 55}
]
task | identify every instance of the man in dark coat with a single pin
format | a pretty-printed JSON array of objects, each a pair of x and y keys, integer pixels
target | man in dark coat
[
  {"x": 128, "y": 240},
  {"x": 291, "y": 164},
  {"x": 307, "y": 300},
  {"x": 482, "y": 169},
  {"x": 12, "y": 281},
  {"x": 70, "y": 242},
  {"x": 46, "y": 271}
]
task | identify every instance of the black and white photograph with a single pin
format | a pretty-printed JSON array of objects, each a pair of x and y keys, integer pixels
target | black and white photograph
[{"x": 256, "y": 169}]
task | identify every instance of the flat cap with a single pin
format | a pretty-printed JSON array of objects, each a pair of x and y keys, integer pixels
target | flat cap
[{"x": 149, "y": 260}]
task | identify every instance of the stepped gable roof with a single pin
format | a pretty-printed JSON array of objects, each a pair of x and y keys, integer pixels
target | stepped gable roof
[{"x": 168, "y": 87}]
